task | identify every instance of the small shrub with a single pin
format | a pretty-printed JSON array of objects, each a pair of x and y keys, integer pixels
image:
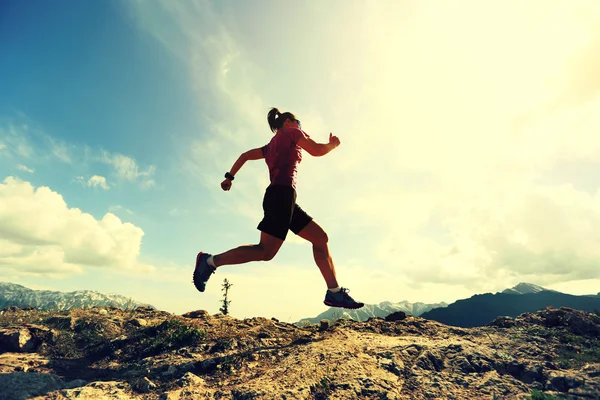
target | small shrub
[
  {"x": 323, "y": 389},
  {"x": 64, "y": 346},
  {"x": 222, "y": 344},
  {"x": 16, "y": 316},
  {"x": 538, "y": 395},
  {"x": 239, "y": 395},
  {"x": 171, "y": 334}
]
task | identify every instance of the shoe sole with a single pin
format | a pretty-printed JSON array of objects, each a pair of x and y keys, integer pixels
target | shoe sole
[
  {"x": 349, "y": 308},
  {"x": 196, "y": 269}
]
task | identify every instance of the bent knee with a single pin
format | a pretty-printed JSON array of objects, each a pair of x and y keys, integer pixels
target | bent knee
[
  {"x": 321, "y": 239},
  {"x": 267, "y": 254}
]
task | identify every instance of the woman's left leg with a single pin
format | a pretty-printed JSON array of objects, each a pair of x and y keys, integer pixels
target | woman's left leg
[
  {"x": 336, "y": 296},
  {"x": 317, "y": 236}
]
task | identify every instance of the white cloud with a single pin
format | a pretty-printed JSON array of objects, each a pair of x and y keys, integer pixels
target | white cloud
[
  {"x": 94, "y": 181},
  {"x": 32, "y": 144},
  {"x": 48, "y": 237},
  {"x": 98, "y": 181},
  {"x": 25, "y": 168},
  {"x": 61, "y": 151},
  {"x": 15, "y": 140},
  {"x": 117, "y": 208},
  {"x": 127, "y": 169},
  {"x": 176, "y": 212}
]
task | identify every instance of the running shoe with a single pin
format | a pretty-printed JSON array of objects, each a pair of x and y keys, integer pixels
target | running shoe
[
  {"x": 341, "y": 299},
  {"x": 203, "y": 271}
]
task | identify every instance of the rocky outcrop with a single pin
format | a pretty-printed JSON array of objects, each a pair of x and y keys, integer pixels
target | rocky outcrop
[{"x": 148, "y": 354}]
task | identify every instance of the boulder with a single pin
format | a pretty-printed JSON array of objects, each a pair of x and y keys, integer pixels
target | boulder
[
  {"x": 202, "y": 314},
  {"x": 396, "y": 316},
  {"x": 17, "y": 340}
]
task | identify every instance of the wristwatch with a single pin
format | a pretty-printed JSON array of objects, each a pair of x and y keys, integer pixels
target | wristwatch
[{"x": 229, "y": 176}]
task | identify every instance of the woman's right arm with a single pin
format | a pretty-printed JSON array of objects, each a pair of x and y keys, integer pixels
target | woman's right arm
[{"x": 318, "y": 149}]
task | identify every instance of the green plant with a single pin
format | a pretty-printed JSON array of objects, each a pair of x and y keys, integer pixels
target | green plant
[
  {"x": 225, "y": 308},
  {"x": 222, "y": 344},
  {"x": 170, "y": 334},
  {"x": 239, "y": 395},
  {"x": 64, "y": 346},
  {"x": 538, "y": 395},
  {"x": 15, "y": 316},
  {"x": 173, "y": 334},
  {"x": 323, "y": 389},
  {"x": 492, "y": 340}
]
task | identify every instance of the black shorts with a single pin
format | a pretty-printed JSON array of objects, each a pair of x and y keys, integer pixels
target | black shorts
[{"x": 282, "y": 213}]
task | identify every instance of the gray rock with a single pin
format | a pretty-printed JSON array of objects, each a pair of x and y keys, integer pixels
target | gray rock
[
  {"x": 61, "y": 322},
  {"x": 203, "y": 314},
  {"x": 172, "y": 370},
  {"x": 430, "y": 361},
  {"x": 144, "y": 385},
  {"x": 324, "y": 325},
  {"x": 207, "y": 365},
  {"x": 17, "y": 340},
  {"x": 190, "y": 379},
  {"x": 24, "y": 385},
  {"x": 396, "y": 316},
  {"x": 463, "y": 364},
  {"x": 98, "y": 391},
  {"x": 75, "y": 384},
  {"x": 139, "y": 322},
  {"x": 503, "y": 322},
  {"x": 564, "y": 383}
]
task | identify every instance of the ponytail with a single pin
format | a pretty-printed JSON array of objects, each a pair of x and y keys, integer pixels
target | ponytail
[{"x": 276, "y": 118}]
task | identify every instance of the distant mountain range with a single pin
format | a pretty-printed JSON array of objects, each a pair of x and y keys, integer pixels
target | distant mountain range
[
  {"x": 482, "y": 309},
  {"x": 372, "y": 310},
  {"x": 22, "y": 297},
  {"x": 526, "y": 288}
]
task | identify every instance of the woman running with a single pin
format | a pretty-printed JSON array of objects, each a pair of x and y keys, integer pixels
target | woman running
[{"x": 281, "y": 213}]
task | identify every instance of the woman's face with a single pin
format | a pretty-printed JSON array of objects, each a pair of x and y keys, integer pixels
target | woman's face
[{"x": 292, "y": 123}]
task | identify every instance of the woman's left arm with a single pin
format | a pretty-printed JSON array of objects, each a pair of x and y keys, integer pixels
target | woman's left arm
[{"x": 254, "y": 154}]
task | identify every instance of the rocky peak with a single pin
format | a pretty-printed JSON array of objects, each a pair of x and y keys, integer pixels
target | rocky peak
[
  {"x": 108, "y": 352},
  {"x": 524, "y": 288},
  {"x": 19, "y": 296}
]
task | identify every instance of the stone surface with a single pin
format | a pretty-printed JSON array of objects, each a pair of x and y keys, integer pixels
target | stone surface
[
  {"x": 396, "y": 316},
  {"x": 103, "y": 356},
  {"x": 16, "y": 340},
  {"x": 24, "y": 385}
]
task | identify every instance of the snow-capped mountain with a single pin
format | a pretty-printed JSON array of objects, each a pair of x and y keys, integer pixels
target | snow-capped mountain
[
  {"x": 20, "y": 296},
  {"x": 372, "y": 310},
  {"x": 481, "y": 309},
  {"x": 524, "y": 288}
]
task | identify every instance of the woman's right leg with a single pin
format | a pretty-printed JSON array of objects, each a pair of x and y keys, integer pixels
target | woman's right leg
[{"x": 265, "y": 250}]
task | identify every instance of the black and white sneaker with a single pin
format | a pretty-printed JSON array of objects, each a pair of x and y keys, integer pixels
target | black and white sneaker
[
  {"x": 341, "y": 299},
  {"x": 202, "y": 272}
]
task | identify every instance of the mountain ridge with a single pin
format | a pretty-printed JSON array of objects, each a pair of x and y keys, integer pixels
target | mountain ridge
[
  {"x": 15, "y": 295},
  {"x": 380, "y": 310},
  {"x": 481, "y": 309}
]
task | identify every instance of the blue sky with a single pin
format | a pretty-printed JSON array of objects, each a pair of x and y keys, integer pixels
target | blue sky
[{"x": 468, "y": 159}]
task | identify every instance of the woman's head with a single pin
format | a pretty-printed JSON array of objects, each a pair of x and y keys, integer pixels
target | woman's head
[{"x": 278, "y": 120}]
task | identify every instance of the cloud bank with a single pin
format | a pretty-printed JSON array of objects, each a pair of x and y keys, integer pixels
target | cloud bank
[{"x": 41, "y": 235}]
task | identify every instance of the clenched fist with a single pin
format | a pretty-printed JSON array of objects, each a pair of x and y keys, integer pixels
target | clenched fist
[{"x": 226, "y": 185}]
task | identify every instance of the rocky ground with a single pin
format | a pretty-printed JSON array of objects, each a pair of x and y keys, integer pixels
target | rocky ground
[{"x": 108, "y": 353}]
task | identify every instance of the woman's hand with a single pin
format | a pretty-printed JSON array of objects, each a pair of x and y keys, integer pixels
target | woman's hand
[
  {"x": 226, "y": 185},
  {"x": 334, "y": 140}
]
